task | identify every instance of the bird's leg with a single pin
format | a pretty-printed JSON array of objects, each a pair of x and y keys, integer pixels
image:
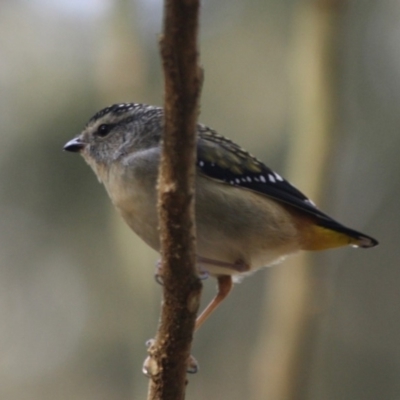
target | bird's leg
[
  {"x": 223, "y": 289},
  {"x": 238, "y": 266}
]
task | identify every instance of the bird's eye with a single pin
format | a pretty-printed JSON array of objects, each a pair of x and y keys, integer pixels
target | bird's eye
[{"x": 103, "y": 130}]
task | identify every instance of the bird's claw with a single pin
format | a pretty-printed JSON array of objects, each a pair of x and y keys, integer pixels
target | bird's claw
[
  {"x": 158, "y": 275},
  {"x": 151, "y": 368},
  {"x": 202, "y": 273},
  {"x": 192, "y": 365}
]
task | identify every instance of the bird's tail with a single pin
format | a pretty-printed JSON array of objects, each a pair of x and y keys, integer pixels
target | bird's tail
[{"x": 328, "y": 234}]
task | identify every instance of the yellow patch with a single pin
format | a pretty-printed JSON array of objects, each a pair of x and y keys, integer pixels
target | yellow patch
[{"x": 320, "y": 238}]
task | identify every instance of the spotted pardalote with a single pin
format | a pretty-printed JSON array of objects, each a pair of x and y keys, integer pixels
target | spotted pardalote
[{"x": 247, "y": 216}]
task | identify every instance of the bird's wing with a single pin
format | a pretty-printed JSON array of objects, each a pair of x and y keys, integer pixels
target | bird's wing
[{"x": 221, "y": 159}]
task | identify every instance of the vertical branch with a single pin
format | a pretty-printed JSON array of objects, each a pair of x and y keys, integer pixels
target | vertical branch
[{"x": 171, "y": 349}]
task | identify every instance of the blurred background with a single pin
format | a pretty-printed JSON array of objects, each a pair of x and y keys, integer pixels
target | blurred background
[{"x": 310, "y": 87}]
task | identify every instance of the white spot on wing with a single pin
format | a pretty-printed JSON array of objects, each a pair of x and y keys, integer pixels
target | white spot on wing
[
  {"x": 277, "y": 176},
  {"x": 262, "y": 179},
  {"x": 271, "y": 178}
]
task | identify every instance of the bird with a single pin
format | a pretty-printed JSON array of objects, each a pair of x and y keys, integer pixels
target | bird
[{"x": 247, "y": 215}]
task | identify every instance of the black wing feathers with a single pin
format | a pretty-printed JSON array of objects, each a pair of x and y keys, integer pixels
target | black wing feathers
[{"x": 221, "y": 159}]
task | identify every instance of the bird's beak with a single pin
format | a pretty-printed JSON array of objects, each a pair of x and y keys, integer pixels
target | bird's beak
[{"x": 75, "y": 145}]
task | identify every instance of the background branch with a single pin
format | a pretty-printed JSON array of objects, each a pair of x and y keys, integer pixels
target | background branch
[
  {"x": 285, "y": 349},
  {"x": 170, "y": 352}
]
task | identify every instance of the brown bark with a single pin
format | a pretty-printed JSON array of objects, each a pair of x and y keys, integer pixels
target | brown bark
[{"x": 169, "y": 354}]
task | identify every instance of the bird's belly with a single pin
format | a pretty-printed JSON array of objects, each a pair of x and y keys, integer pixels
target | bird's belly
[
  {"x": 243, "y": 256},
  {"x": 229, "y": 228}
]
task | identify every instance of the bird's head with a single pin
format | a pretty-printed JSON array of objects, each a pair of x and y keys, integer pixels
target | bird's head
[{"x": 116, "y": 131}]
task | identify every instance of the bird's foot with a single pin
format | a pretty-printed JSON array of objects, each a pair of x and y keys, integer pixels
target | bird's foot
[
  {"x": 202, "y": 273},
  {"x": 192, "y": 365},
  {"x": 158, "y": 276},
  {"x": 150, "y": 367}
]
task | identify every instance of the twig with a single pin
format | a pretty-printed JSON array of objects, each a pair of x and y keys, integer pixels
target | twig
[{"x": 170, "y": 351}]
